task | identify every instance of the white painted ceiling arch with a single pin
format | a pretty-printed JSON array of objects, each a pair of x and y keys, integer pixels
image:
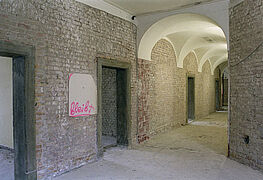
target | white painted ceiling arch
[
  {"x": 194, "y": 43},
  {"x": 196, "y": 58},
  {"x": 220, "y": 60},
  {"x": 212, "y": 52},
  {"x": 187, "y": 33},
  {"x": 167, "y": 39},
  {"x": 210, "y": 64}
]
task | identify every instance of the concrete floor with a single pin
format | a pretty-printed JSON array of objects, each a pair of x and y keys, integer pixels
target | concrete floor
[
  {"x": 6, "y": 164},
  {"x": 193, "y": 152},
  {"x": 108, "y": 141}
]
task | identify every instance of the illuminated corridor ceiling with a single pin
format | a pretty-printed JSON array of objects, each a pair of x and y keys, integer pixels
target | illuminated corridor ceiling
[{"x": 188, "y": 33}]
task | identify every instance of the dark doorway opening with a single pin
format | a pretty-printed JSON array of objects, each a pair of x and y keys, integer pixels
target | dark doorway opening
[
  {"x": 23, "y": 109},
  {"x": 225, "y": 90},
  {"x": 114, "y": 121},
  {"x": 217, "y": 93},
  {"x": 190, "y": 99},
  {"x": 114, "y": 104},
  {"x": 109, "y": 107}
]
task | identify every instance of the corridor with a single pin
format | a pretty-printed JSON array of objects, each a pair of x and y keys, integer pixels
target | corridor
[{"x": 193, "y": 152}]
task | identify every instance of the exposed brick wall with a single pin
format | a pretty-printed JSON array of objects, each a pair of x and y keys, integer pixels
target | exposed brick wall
[
  {"x": 109, "y": 102},
  {"x": 163, "y": 95},
  {"x": 162, "y": 90},
  {"x": 145, "y": 84},
  {"x": 246, "y": 83},
  {"x": 208, "y": 90},
  {"x": 68, "y": 37},
  {"x": 190, "y": 67},
  {"x": 204, "y": 86}
]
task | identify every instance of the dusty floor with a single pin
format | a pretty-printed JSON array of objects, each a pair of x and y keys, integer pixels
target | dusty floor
[
  {"x": 193, "y": 152},
  {"x": 108, "y": 141},
  {"x": 6, "y": 164}
]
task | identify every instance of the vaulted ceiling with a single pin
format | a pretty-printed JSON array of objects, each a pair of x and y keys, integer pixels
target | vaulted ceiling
[{"x": 188, "y": 33}]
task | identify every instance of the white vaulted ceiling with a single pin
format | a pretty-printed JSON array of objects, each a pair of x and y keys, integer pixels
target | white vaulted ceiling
[
  {"x": 188, "y": 33},
  {"x": 139, "y": 7}
]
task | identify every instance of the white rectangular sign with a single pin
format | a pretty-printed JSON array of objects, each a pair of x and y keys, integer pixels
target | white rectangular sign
[{"x": 82, "y": 95}]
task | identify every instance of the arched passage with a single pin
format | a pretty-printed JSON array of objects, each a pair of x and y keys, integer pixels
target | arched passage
[{"x": 177, "y": 59}]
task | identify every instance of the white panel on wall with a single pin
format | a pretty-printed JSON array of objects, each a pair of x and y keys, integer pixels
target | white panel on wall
[
  {"x": 82, "y": 95},
  {"x": 6, "y": 102}
]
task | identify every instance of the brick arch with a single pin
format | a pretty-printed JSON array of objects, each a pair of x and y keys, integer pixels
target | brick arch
[
  {"x": 167, "y": 49},
  {"x": 191, "y": 62}
]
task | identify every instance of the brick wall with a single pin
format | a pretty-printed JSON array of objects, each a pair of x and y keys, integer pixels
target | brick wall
[
  {"x": 162, "y": 91},
  {"x": 246, "y": 83},
  {"x": 109, "y": 102},
  {"x": 163, "y": 96},
  {"x": 204, "y": 86},
  {"x": 145, "y": 85},
  {"x": 68, "y": 37}
]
